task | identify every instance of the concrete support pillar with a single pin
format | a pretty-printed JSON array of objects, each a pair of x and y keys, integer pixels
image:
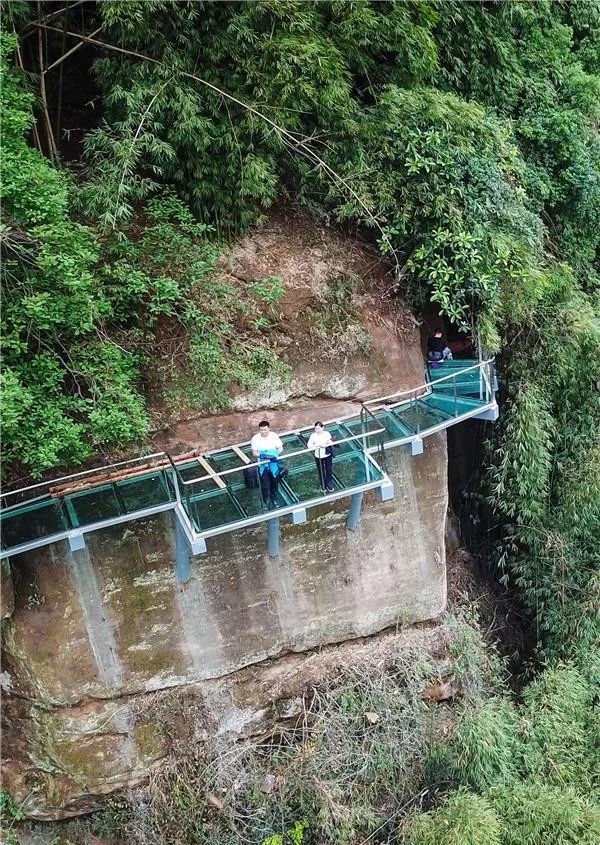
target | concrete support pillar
[
  {"x": 273, "y": 537},
  {"x": 354, "y": 511}
]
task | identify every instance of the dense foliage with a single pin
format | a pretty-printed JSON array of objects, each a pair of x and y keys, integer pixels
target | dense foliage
[
  {"x": 465, "y": 137},
  {"x": 81, "y": 307},
  {"x": 527, "y": 774},
  {"x": 65, "y": 384}
]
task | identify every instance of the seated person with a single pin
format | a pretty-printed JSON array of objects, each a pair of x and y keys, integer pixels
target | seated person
[{"x": 437, "y": 347}]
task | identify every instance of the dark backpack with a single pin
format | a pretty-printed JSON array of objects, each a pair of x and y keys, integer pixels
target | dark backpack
[{"x": 251, "y": 478}]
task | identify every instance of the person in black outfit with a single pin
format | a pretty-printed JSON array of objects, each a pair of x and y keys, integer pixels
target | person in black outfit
[{"x": 437, "y": 347}]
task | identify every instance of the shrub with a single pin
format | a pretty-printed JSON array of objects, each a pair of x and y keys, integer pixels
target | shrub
[{"x": 462, "y": 819}]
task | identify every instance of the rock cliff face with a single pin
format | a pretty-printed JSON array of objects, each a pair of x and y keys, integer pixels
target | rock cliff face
[
  {"x": 102, "y": 643},
  {"x": 93, "y": 631}
]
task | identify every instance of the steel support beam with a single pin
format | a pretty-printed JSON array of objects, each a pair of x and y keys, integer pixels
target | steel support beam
[
  {"x": 273, "y": 537},
  {"x": 491, "y": 414},
  {"x": 76, "y": 541},
  {"x": 298, "y": 517},
  {"x": 354, "y": 511}
]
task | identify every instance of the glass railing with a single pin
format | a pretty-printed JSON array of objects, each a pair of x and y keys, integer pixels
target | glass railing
[
  {"x": 227, "y": 490},
  {"x": 68, "y": 503},
  {"x": 221, "y": 487}
]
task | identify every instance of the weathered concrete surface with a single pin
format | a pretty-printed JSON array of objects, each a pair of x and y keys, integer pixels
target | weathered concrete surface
[{"x": 111, "y": 621}]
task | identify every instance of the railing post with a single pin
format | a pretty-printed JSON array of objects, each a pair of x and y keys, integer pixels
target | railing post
[
  {"x": 417, "y": 414},
  {"x": 363, "y": 426},
  {"x": 455, "y": 400}
]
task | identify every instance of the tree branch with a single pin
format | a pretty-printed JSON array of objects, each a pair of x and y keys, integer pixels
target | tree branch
[
  {"x": 70, "y": 52},
  {"x": 36, "y": 135},
  {"x": 52, "y": 148},
  {"x": 49, "y": 17},
  {"x": 287, "y": 137}
]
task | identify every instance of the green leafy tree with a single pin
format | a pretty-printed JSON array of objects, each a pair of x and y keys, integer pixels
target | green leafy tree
[{"x": 66, "y": 389}]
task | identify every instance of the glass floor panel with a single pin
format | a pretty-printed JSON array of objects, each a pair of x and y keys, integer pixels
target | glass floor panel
[
  {"x": 454, "y": 364},
  {"x": 340, "y": 432},
  {"x": 462, "y": 405},
  {"x": 419, "y": 417},
  {"x": 222, "y": 461},
  {"x": 293, "y": 443},
  {"x": 192, "y": 471},
  {"x": 33, "y": 522},
  {"x": 212, "y": 510},
  {"x": 305, "y": 482},
  {"x": 354, "y": 470},
  {"x": 356, "y": 426},
  {"x": 456, "y": 372},
  {"x": 455, "y": 375},
  {"x": 145, "y": 492},
  {"x": 462, "y": 389},
  {"x": 395, "y": 426},
  {"x": 250, "y": 498},
  {"x": 94, "y": 505},
  {"x": 463, "y": 383}
]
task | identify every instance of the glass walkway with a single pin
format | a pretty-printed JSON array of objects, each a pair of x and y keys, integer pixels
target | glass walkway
[{"x": 213, "y": 493}]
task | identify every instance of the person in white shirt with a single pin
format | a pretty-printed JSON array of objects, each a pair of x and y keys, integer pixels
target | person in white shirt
[
  {"x": 321, "y": 441},
  {"x": 267, "y": 447}
]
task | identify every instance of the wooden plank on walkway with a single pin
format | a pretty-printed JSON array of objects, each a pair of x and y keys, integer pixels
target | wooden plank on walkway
[
  {"x": 244, "y": 458},
  {"x": 210, "y": 471}
]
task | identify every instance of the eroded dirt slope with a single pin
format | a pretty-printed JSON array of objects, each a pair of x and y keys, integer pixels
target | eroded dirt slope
[{"x": 340, "y": 328}]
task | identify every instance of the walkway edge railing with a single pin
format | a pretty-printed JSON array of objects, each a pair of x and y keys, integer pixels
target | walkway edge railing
[
  {"x": 481, "y": 365},
  {"x": 284, "y": 457},
  {"x": 59, "y": 489}
]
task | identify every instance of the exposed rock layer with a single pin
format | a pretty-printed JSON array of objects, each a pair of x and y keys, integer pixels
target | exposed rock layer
[{"x": 91, "y": 629}]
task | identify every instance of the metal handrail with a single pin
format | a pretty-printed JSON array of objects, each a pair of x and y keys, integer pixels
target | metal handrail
[
  {"x": 285, "y": 456},
  {"x": 427, "y": 384},
  {"x": 482, "y": 366},
  {"x": 370, "y": 413},
  {"x": 74, "y": 475}
]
